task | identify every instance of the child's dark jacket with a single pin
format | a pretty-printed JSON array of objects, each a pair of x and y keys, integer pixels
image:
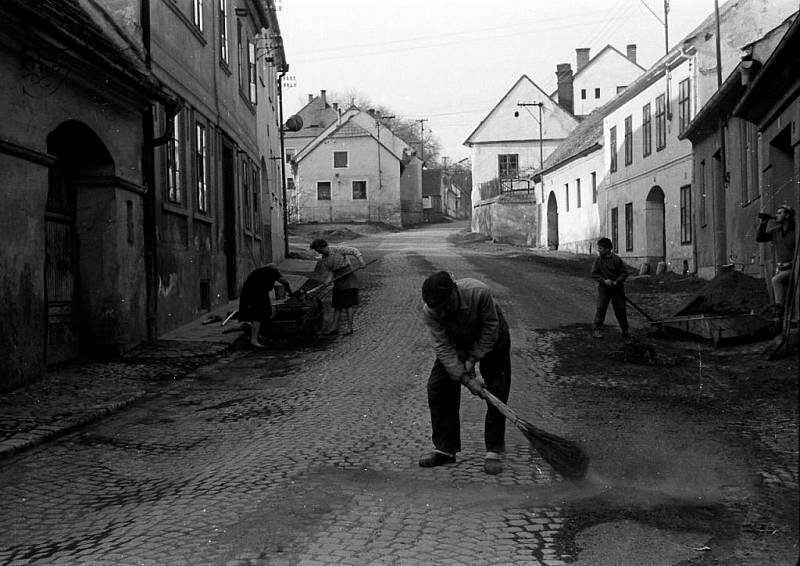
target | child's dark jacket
[{"x": 610, "y": 267}]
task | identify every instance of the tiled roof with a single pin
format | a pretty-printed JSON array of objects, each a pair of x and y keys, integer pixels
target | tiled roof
[
  {"x": 588, "y": 133},
  {"x": 350, "y": 130}
]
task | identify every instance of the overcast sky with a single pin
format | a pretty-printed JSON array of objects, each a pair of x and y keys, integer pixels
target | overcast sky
[{"x": 450, "y": 61}]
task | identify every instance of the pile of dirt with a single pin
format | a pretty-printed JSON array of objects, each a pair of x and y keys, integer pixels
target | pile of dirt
[
  {"x": 729, "y": 293},
  {"x": 467, "y": 237},
  {"x": 335, "y": 234}
]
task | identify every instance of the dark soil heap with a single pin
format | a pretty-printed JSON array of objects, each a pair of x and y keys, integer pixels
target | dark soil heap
[{"x": 729, "y": 293}]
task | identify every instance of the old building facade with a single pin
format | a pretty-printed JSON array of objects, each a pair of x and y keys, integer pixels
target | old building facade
[{"x": 134, "y": 154}]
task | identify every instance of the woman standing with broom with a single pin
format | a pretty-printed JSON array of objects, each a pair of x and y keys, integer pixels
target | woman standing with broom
[{"x": 336, "y": 261}]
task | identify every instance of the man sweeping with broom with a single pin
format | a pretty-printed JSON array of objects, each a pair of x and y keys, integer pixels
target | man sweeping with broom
[{"x": 468, "y": 328}]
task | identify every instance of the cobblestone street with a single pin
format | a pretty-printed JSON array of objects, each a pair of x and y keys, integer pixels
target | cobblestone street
[{"x": 306, "y": 453}]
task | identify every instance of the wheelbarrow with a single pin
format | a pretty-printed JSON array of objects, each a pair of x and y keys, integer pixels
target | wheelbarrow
[{"x": 300, "y": 315}]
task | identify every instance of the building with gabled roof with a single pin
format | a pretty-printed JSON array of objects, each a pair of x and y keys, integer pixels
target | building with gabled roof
[
  {"x": 597, "y": 79},
  {"x": 357, "y": 170},
  {"x": 510, "y": 143}
]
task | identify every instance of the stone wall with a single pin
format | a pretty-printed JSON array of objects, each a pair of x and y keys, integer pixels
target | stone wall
[{"x": 509, "y": 218}]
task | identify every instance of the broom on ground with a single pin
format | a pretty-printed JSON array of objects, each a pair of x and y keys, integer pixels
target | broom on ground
[{"x": 565, "y": 456}]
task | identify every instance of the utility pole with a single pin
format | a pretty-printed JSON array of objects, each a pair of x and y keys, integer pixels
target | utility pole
[
  {"x": 422, "y": 137},
  {"x": 378, "y": 118},
  {"x": 541, "y": 150}
]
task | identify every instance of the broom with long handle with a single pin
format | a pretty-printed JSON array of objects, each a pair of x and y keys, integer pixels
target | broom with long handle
[{"x": 565, "y": 456}]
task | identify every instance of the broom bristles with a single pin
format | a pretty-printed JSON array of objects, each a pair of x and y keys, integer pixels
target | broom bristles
[{"x": 565, "y": 456}]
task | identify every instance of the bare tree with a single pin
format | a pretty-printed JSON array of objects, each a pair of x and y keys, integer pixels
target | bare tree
[{"x": 407, "y": 129}]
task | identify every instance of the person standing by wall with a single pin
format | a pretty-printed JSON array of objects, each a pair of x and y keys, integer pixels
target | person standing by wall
[
  {"x": 782, "y": 235},
  {"x": 336, "y": 262}
]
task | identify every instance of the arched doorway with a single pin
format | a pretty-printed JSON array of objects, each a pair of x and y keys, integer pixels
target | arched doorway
[
  {"x": 552, "y": 221},
  {"x": 73, "y": 241},
  {"x": 656, "y": 248}
]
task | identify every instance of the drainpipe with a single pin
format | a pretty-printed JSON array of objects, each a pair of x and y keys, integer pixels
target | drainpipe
[
  {"x": 149, "y": 212},
  {"x": 283, "y": 165},
  {"x": 720, "y": 227}
]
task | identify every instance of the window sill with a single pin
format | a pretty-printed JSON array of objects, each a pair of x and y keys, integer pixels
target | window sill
[
  {"x": 174, "y": 208},
  {"x": 225, "y": 68},
  {"x": 204, "y": 218},
  {"x": 246, "y": 99}
]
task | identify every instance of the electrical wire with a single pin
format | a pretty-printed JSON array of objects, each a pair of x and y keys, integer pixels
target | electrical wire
[{"x": 327, "y": 55}]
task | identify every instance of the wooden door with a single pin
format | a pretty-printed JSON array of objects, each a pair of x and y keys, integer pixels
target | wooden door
[{"x": 61, "y": 271}]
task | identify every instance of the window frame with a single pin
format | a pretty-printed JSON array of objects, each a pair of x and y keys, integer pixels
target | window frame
[
  {"x": 346, "y": 159},
  {"x": 507, "y": 157},
  {"x": 702, "y": 220},
  {"x": 749, "y": 161},
  {"x": 252, "y": 73},
  {"x": 612, "y": 145},
  {"x": 597, "y": 93},
  {"x": 628, "y": 144},
  {"x": 684, "y": 105},
  {"x": 628, "y": 226},
  {"x": 577, "y": 193},
  {"x": 240, "y": 54},
  {"x": 566, "y": 196},
  {"x": 197, "y": 15},
  {"x": 647, "y": 130},
  {"x": 201, "y": 167},
  {"x": 247, "y": 212},
  {"x": 174, "y": 162},
  {"x": 330, "y": 190},
  {"x": 594, "y": 187},
  {"x": 353, "y": 189},
  {"x": 254, "y": 190},
  {"x": 224, "y": 36},
  {"x": 615, "y": 228},
  {"x": 686, "y": 214},
  {"x": 661, "y": 122}
]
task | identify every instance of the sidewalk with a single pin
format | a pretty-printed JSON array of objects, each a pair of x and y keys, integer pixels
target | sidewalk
[{"x": 80, "y": 393}]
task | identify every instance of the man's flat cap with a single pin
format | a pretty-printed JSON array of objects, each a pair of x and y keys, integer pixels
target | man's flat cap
[{"x": 437, "y": 288}]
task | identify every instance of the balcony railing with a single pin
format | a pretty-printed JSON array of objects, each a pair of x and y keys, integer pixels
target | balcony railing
[{"x": 496, "y": 187}]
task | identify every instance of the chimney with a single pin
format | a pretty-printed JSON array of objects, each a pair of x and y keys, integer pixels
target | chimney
[
  {"x": 564, "y": 77},
  {"x": 336, "y": 106},
  {"x": 310, "y": 97},
  {"x": 582, "y": 56},
  {"x": 632, "y": 52},
  {"x": 324, "y": 99}
]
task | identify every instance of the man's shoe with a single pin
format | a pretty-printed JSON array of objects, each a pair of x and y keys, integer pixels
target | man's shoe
[
  {"x": 492, "y": 466},
  {"x": 597, "y": 334},
  {"x": 436, "y": 459}
]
